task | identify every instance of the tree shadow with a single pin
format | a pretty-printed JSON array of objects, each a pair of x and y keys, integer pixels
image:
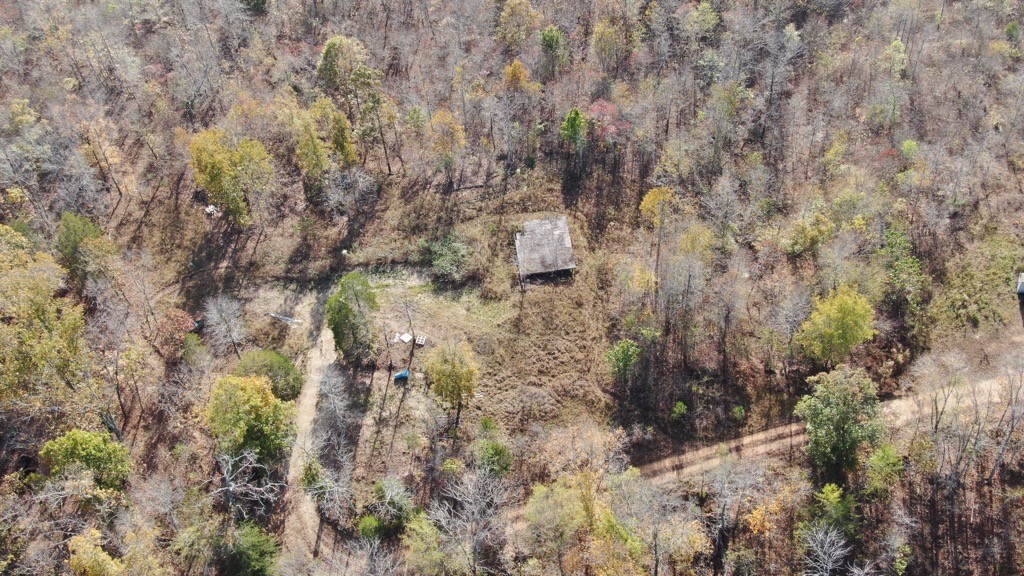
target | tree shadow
[
  {"x": 217, "y": 262},
  {"x": 573, "y": 181}
]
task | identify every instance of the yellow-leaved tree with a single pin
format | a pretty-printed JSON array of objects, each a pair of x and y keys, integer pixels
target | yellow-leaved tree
[
  {"x": 453, "y": 374},
  {"x": 45, "y": 364},
  {"x": 655, "y": 205},
  {"x": 515, "y": 23},
  {"x": 88, "y": 558},
  {"x": 839, "y": 323},
  {"x": 245, "y": 416},
  {"x": 233, "y": 175}
]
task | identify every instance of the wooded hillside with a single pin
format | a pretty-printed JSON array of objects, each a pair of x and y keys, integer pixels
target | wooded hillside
[{"x": 261, "y": 311}]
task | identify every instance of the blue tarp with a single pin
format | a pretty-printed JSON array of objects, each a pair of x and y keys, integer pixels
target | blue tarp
[{"x": 403, "y": 375}]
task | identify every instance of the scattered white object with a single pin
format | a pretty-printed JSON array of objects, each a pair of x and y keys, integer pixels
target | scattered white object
[
  {"x": 421, "y": 340},
  {"x": 344, "y": 252},
  {"x": 284, "y": 319},
  {"x": 406, "y": 337},
  {"x": 211, "y": 210},
  {"x": 397, "y": 337}
]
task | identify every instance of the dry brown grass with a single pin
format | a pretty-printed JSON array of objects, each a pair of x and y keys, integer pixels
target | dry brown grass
[
  {"x": 541, "y": 352},
  {"x": 541, "y": 357}
]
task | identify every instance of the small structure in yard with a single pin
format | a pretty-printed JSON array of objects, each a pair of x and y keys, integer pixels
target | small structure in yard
[{"x": 544, "y": 247}]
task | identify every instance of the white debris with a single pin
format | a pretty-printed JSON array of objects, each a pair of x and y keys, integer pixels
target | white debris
[{"x": 284, "y": 319}]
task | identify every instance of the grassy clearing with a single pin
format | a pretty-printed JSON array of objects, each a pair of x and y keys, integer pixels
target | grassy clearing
[{"x": 540, "y": 354}]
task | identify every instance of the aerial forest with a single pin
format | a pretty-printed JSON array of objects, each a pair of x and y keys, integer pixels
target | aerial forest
[{"x": 511, "y": 287}]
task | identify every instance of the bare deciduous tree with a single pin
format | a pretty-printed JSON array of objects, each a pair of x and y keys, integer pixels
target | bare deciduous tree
[
  {"x": 732, "y": 483},
  {"x": 826, "y": 551},
  {"x": 471, "y": 520},
  {"x": 348, "y": 191},
  {"x": 249, "y": 488},
  {"x": 393, "y": 499},
  {"x": 225, "y": 324},
  {"x": 372, "y": 558},
  {"x": 668, "y": 528},
  {"x": 332, "y": 490}
]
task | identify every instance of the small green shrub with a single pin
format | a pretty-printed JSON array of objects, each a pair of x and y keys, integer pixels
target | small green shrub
[
  {"x": 487, "y": 426},
  {"x": 370, "y": 527},
  {"x": 909, "y": 150},
  {"x": 882, "y": 471},
  {"x": 448, "y": 258},
  {"x": 453, "y": 466},
  {"x": 284, "y": 377},
  {"x": 808, "y": 234},
  {"x": 305, "y": 227},
  {"x": 412, "y": 441},
  {"x": 978, "y": 292},
  {"x": 193, "y": 351},
  {"x": 623, "y": 357},
  {"x": 883, "y": 116},
  {"x": 741, "y": 561},
  {"x": 836, "y": 508},
  {"x": 25, "y": 229},
  {"x": 108, "y": 459},
  {"x": 311, "y": 155},
  {"x": 251, "y": 551},
  {"x": 1013, "y": 31},
  {"x": 679, "y": 411},
  {"x": 87, "y": 556},
  {"x": 907, "y": 286},
  {"x": 256, "y": 6},
  {"x": 902, "y": 560},
  {"x": 494, "y": 457},
  {"x": 393, "y": 503},
  {"x": 312, "y": 475},
  {"x": 72, "y": 231}
]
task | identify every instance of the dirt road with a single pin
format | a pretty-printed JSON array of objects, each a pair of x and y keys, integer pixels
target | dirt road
[
  {"x": 899, "y": 412},
  {"x": 771, "y": 441},
  {"x": 302, "y": 530}
]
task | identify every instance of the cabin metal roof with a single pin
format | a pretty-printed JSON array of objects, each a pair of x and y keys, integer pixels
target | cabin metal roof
[{"x": 544, "y": 246}]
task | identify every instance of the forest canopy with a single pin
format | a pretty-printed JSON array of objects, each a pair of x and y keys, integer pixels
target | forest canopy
[{"x": 263, "y": 308}]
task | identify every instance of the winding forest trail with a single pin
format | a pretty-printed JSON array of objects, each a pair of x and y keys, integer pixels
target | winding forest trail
[
  {"x": 302, "y": 530},
  {"x": 770, "y": 441},
  {"x": 899, "y": 412}
]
